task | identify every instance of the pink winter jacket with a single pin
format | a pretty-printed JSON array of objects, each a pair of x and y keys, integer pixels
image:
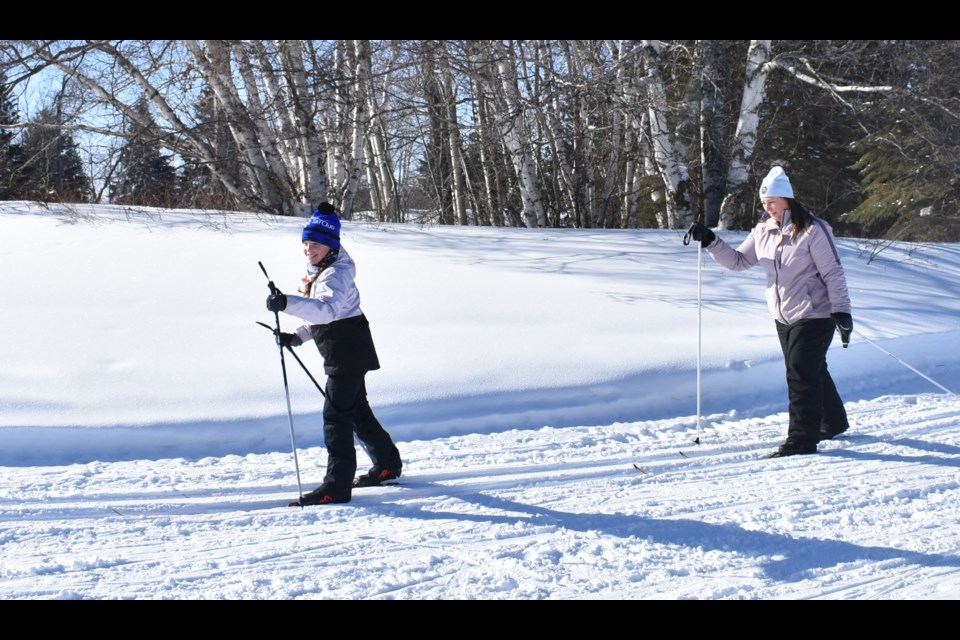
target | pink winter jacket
[{"x": 804, "y": 276}]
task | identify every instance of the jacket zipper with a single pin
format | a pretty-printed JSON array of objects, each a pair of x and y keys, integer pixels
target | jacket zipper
[{"x": 777, "y": 254}]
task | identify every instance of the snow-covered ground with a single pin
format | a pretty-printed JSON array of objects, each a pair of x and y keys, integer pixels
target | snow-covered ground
[{"x": 542, "y": 386}]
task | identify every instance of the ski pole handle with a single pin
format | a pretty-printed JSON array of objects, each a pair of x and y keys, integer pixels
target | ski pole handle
[
  {"x": 686, "y": 237},
  {"x": 273, "y": 288}
]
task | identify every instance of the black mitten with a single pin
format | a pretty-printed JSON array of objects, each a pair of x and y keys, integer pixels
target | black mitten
[
  {"x": 290, "y": 340},
  {"x": 276, "y": 302},
  {"x": 844, "y": 326},
  {"x": 702, "y": 234}
]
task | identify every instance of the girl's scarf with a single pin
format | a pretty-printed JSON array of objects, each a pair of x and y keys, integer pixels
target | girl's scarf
[
  {"x": 306, "y": 282},
  {"x": 313, "y": 272}
]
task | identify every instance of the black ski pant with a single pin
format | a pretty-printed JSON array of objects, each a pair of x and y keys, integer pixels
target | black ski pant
[
  {"x": 815, "y": 404},
  {"x": 346, "y": 411}
]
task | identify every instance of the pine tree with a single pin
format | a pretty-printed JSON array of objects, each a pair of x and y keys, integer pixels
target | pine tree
[
  {"x": 807, "y": 130},
  {"x": 11, "y": 155},
  {"x": 197, "y": 187},
  {"x": 52, "y": 168},
  {"x": 910, "y": 165},
  {"x": 144, "y": 177}
]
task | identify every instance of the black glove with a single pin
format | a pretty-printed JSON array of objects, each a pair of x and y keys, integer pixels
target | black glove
[
  {"x": 844, "y": 326},
  {"x": 702, "y": 234},
  {"x": 289, "y": 340},
  {"x": 276, "y": 301}
]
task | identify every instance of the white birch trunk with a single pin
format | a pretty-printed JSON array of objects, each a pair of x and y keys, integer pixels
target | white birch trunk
[
  {"x": 291, "y": 153},
  {"x": 338, "y": 126},
  {"x": 745, "y": 137},
  {"x": 637, "y": 163},
  {"x": 670, "y": 155},
  {"x": 358, "y": 125},
  {"x": 314, "y": 186},
  {"x": 513, "y": 128},
  {"x": 214, "y": 61},
  {"x": 491, "y": 183},
  {"x": 382, "y": 170},
  {"x": 277, "y": 176},
  {"x": 567, "y": 166},
  {"x": 457, "y": 165},
  {"x": 373, "y": 180},
  {"x": 382, "y": 163}
]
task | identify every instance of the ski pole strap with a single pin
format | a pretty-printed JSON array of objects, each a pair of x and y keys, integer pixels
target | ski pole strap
[
  {"x": 275, "y": 332},
  {"x": 689, "y": 234}
]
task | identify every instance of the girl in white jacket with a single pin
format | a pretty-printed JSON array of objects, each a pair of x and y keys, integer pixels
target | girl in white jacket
[{"x": 329, "y": 304}]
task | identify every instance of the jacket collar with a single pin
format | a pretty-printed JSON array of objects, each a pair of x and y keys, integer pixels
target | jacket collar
[{"x": 785, "y": 226}]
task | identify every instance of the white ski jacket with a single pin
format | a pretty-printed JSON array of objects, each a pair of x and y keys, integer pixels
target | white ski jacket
[
  {"x": 334, "y": 321},
  {"x": 333, "y": 296}
]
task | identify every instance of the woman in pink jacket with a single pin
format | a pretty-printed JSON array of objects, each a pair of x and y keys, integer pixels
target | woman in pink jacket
[{"x": 807, "y": 297}]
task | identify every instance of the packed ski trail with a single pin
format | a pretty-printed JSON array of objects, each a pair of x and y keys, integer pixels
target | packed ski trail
[
  {"x": 473, "y": 514},
  {"x": 145, "y": 448}
]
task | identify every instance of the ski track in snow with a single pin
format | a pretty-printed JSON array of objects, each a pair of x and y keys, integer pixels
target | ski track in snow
[
  {"x": 660, "y": 534},
  {"x": 145, "y": 443}
]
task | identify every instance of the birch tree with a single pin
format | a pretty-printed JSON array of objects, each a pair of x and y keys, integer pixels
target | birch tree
[
  {"x": 258, "y": 104},
  {"x": 436, "y": 156},
  {"x": 733, "y": 209},
  {"x": 357, "y": 125},
  {"x": 497, "y": 76},
  {"x": 534, "y": 133},
  {"x": 382, "y": 180},
  {"x": 712, "y": 85},
  {"x": 258, "y": 154},
  {"x": 458, "y": 168},
  {"x": 669, "y": 151},
  {"x": 562, "y": 116},
  {"x": 493, "y": 187},
  {"x": 306, "y": 155}
]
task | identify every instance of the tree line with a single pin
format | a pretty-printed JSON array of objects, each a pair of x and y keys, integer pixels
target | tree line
[{"x": 535, "y": 133}]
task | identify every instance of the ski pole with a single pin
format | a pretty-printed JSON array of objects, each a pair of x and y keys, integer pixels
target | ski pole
[
  {"x": 686, "y": 241},
  {"x": 315, "y": 383},
  {"x": 699, "y": 332},
  {"x": 286, "y": 388},
  {"x": 300, "y": 362},
  {"x": 927, "y": 378}
]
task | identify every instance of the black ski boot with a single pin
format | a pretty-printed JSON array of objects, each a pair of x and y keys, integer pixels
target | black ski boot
[
  {"x": 793, "y": 449},
  {"x": 828, "y": 434},
  {"x": 324, "y": 494},
  {"x": 376, "y": 477}
]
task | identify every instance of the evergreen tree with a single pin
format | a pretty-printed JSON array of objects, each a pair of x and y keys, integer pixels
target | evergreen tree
[
  {"x": 809, "y": 131},
  {"x": 197, "y": 187},
  {"x": 910, "y": 165},
  {"x": 903, "y": 184},
  {"x": 52, "y": 168},
  {"x": 11, "y": 156},
  {"x": 144, "y": 175}
]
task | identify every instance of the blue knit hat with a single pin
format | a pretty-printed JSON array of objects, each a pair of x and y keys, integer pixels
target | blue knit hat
[
  {"x": 324, "y": 227},
  {"x": 776, "y": 185}
]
